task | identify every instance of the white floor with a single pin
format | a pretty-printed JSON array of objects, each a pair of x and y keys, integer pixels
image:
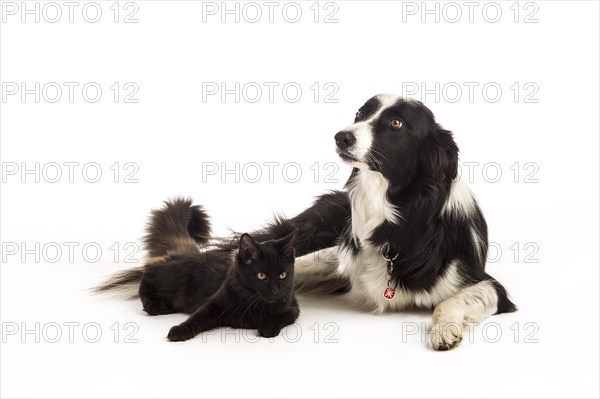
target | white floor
[{"x": 547, "y": 349}]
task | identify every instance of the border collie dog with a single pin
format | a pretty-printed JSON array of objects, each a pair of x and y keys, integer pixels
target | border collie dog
[{"x": 406, "y": 233}]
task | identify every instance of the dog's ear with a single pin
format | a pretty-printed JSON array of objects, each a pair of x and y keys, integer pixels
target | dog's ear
[{"x": 443, "y": 153}]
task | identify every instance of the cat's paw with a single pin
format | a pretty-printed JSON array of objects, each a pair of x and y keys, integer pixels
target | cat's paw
[
  {"x": 180, "y": 333},
  {"x": 269, "y": 331},
  {"x": 155, "y": 309}
]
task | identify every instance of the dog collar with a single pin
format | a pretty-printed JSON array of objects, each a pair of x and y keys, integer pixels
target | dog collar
[{"x": 389, "y": 292}]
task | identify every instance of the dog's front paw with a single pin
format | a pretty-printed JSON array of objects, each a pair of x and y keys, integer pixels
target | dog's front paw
[
  {"x": 269, "y": 331},
  {"x": 445, "y": 336},
  {"x": 180, "y": 333}
]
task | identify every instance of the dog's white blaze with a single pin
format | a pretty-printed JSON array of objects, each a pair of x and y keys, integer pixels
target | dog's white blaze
[
  {"x": 460, "y": 199},
  {"x": 363, "y": 131}
]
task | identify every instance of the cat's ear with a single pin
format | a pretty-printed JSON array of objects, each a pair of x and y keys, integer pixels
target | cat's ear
[
  {"x": 248, "y": 251},
  {"x": 287, "y": 244}
]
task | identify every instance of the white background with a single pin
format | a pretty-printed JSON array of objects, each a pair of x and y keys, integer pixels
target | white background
[{"x": 550, "y": 209}]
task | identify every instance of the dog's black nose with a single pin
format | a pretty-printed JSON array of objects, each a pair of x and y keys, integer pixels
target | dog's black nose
[{"x": 345, "y": 140}]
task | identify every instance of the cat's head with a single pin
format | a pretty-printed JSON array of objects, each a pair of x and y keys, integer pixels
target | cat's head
[{"x": 267, "y": 268}]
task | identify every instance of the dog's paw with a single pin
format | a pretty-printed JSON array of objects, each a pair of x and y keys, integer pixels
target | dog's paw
[
  {"x": 180, "y": 333},
  {"x": 269, "y": 331},
  {"x": 445, "y": 336}
]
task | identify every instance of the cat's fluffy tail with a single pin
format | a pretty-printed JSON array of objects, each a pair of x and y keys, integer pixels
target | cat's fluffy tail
[
  {"x": 124, "y": 284},
  {"x": 177, "y": 228}
]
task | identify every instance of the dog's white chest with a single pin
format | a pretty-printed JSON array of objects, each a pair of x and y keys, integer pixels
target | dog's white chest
[
  {"x": 368, "y": 274},
  {"x": 370, "y": 206},
  {"x": 367, "y": 269}
]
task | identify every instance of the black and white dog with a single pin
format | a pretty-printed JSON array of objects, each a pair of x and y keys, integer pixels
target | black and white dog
[{"x": 407, "y": 232}]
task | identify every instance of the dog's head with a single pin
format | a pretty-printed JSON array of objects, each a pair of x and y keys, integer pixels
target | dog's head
[{"x": 399, "y": 138}]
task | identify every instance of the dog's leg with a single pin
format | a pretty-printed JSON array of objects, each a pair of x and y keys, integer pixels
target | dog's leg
[
  {"x": 317, "y": 273},
  {"x": 319, "y": 226},
  {"x": 470, "y": 305}
]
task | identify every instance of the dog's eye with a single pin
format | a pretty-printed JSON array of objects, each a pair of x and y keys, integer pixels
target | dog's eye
[
  {"x": 282, "y": 275},
  {"x": 261, "y": 276},
  {"x": 359, "y": 114},
  {"x": 396, "y": 124}
]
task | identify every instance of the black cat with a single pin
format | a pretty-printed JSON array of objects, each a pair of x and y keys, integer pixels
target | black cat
[
  {"x": 252, "y": 283},
  {"x": 257, "y": 291}
]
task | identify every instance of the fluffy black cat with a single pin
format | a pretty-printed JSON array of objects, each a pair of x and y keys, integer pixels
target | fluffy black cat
[
  {"x": 257, "y": 292},
  {"x": 250, "y": 286}
]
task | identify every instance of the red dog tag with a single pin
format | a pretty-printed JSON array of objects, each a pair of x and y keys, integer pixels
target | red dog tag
[{"x": 389, "y": 293}]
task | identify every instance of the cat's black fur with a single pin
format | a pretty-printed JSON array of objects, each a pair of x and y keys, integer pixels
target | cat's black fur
[
  {"x": 257, "y": 291},
  {"x": 220, "y": 285},
  {"x": 181, "y": 283}
]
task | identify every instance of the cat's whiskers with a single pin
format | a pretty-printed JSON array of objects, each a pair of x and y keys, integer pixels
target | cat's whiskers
[
  {"x": 238, "y": 303},
  {"x": 251, "y": 305}
]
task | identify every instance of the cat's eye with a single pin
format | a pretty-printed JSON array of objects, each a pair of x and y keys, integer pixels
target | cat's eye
[
  {"x": 396, "y": 124},
  {"x": 283, "y": 275},
  {"x": 261, "y": 276}
]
